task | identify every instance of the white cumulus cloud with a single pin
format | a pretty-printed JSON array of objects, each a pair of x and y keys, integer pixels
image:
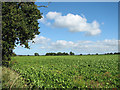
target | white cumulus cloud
[
  {"x": 102, "y": 46},
  {"x": 74, "y": 23},
  {"x": 44, "y": 20},
  {"x": 53, "y": 15},
  {"x": 41, "y": 40},
  {"x": 45, "y": 44}
]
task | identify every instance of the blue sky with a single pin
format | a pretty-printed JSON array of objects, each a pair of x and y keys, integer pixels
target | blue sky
[{"x": 80, "y": 27}]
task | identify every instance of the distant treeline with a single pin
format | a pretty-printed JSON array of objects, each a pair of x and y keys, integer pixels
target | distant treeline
[
  {"x": 63, "y": 54},
  {"x": 59, "y": 54},
  {"x": 104, "y": 53},
  {"x": 112, "y": 53},
  {"x": 22, "y": 55}
]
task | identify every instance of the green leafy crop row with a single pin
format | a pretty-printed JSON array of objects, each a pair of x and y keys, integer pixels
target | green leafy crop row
[{"x": 96, "y": 71}]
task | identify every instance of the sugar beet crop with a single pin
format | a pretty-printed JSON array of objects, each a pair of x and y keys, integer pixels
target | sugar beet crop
[{"x": 92, "y": 71}]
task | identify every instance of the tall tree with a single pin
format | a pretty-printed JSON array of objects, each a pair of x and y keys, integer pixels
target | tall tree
[
  {"x": 71, "y": 53},
  {"x": 19, "y": 25},
  {"x": 36, "y": 54}
]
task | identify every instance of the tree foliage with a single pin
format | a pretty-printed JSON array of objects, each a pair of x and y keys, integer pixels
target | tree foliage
[
  {"x": 13, "y": 54},
  {"x": 71, "y": 53},
  {"x": 36, "y": 54},
  {"x": 19, "y": 25}
]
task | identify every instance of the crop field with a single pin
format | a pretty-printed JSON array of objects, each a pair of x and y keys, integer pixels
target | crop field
[{"x": 87, "y": 71}]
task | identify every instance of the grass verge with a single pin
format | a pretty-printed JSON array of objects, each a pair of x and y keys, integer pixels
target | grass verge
[{"x": 11, "y": 79}]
